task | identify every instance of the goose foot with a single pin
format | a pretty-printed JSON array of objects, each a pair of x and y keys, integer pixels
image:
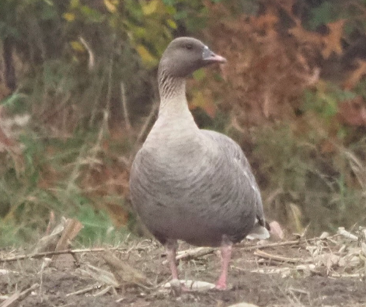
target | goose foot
[{"x": 226, "y": 249}]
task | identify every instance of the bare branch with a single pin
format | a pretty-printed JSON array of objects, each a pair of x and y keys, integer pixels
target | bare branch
[
  {"x": 124, "y": 107},
  {"x": 68, "y": 251}
]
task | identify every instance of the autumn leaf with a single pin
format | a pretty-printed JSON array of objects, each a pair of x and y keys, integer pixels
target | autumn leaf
[
  {"x": 328, "y": 146},
  {"x": 356, "y": 75},
  {"x": 117, "y": 213},
  {"x": 264, "y": 22},
  {"x": 332, "y": 41},
  {"x": 305, "y": 36},
  {"x": 329, "y": 44},
  {"x": 352, "y": 112},
  {"x": 287, "y": 5},
  {"x": 77, "y": 46},
  {"x": 69, "y": 17}
]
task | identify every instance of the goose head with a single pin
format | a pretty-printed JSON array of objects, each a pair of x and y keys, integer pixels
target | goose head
[{"x": 184, "y": 55}]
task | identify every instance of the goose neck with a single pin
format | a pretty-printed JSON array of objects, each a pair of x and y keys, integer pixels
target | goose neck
[{"x": 172, "y": 92}]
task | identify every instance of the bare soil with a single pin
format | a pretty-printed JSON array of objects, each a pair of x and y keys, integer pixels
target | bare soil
[{"x": 312, "y": 273}]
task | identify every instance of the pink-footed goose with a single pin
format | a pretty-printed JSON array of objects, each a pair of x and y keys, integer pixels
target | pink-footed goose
[{"x": 191, "y": 184}]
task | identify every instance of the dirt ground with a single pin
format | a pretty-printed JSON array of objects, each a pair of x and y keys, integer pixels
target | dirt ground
[{"x": 318, "y": 272}]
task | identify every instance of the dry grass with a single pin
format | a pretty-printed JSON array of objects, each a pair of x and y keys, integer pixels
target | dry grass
[{"x": 134, "y": 271}]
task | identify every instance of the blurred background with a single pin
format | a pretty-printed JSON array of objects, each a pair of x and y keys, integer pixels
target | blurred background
[{"x": 78, "y": 95}]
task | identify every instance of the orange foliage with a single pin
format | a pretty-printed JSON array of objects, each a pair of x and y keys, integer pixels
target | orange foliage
[
  {"x": 332, "y": 41},
  {"x": 101, "y": 180},
  {"x": 325, "y": 44},
  {"x": 266, "y": 70},
  {"x": 353, "y": 112},
  {"x": 203, "y": 99},
  {"x": 271, "y": 63},
  {"x": 355, "y": 76}
]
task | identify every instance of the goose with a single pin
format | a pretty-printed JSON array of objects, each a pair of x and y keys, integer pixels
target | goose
[{"x": 188, "y": 183}]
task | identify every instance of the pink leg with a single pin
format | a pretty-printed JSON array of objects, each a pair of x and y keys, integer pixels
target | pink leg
[
  {"x": 171, "y": 250},
  {"x": 226, "y": 249}
]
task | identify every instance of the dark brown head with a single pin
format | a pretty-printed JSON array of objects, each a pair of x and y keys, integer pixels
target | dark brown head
[{"x": 184, "y": 55}]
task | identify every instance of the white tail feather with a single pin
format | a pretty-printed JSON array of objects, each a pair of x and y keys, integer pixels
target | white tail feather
[{"x": 258, "y": 232}]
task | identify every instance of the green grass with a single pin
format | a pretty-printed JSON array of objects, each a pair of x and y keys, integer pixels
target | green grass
[
  {"x": 301, "y": 183},
  {"x": 50, "y": 176}
]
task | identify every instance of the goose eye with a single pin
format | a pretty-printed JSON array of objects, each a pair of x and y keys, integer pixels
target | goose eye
[{"x": 189, "y": 46}]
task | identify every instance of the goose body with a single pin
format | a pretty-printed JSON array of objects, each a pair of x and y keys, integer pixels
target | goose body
[
  {"x": 197, "y": 189},
  {"x": 191, "y": 184}
]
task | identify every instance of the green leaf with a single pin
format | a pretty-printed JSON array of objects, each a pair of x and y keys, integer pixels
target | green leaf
[
  {"x": 171, "y": 23},
  {"x": 150, "y": 7},
  {"x": 199, "y": 74},
  {"x": 147, "y": 58},
  {"x": 93, "y": 16},
  {"x": 74, "y": 4}
]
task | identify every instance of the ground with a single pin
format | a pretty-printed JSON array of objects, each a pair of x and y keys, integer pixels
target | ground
[{"x": 318, "y": 272}]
